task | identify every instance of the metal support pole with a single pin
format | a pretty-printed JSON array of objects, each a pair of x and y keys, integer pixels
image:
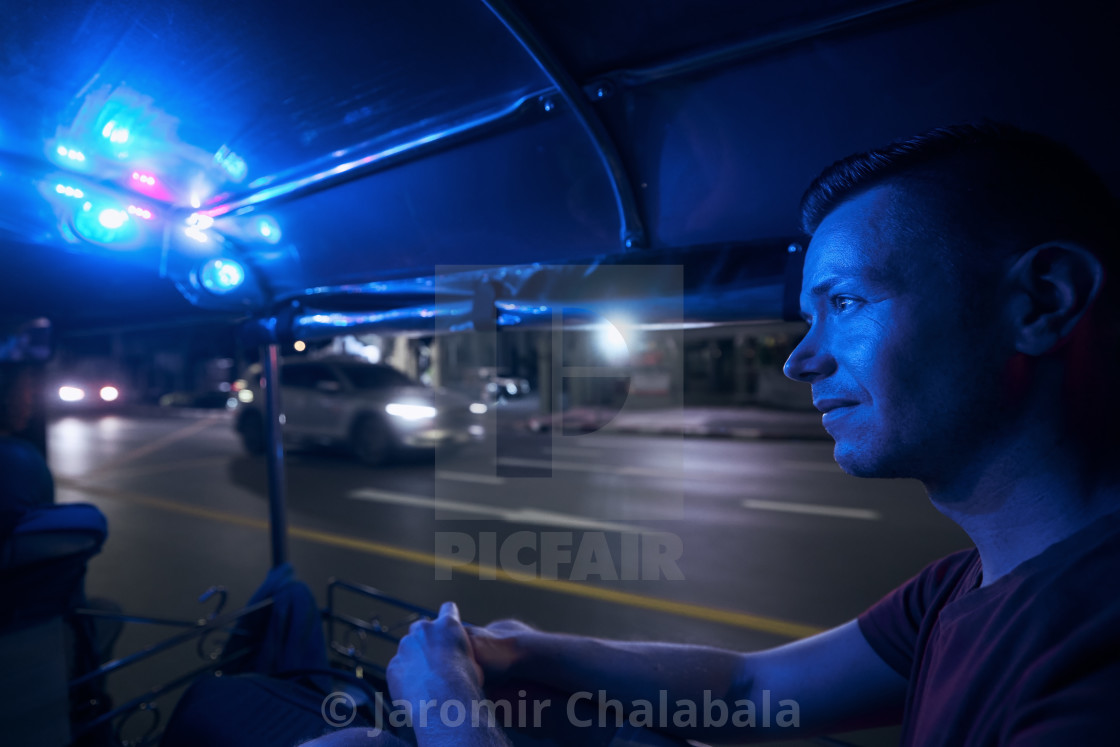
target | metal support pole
[
  {"x": 277, "y": 512},
  {"x": 631, "y": 229}
]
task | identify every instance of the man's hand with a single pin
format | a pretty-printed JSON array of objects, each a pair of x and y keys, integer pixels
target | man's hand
[
  {"x": 435, "y": 660},
  {"x": 498, "y": 646},
  {"x": 435, "y": 666}
]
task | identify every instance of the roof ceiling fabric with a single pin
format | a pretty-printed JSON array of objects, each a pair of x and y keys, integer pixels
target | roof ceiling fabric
[
  {"x": 227, "y": 103},
  {"x": 279, "y": 82}
]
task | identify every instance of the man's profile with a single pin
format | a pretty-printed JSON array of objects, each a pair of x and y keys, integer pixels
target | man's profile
[{"x": 961, "y": 294}]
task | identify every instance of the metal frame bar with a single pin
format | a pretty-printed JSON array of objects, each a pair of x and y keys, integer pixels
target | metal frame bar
[
  {"x": 198, "y": 629},
  {"x": 277, "y": 511},
  {"x": 168, "y": 643},
  {"x": 632, "y": 231},
  {"x": 149, "y": 696},
  {"x": 358, "y": 159},
  {"x": 695, "y": 63},
  {"x": 331, "y": 618},
  {"x": 122, "y": 617}
]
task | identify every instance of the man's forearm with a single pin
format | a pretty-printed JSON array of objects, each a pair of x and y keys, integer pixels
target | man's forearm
[{"x": 630, "y": 671}]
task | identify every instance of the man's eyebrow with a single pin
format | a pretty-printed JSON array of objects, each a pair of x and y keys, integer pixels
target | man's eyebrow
[
  {"x": 875, "y": 277},
  {"x": 824, "y": 286}
]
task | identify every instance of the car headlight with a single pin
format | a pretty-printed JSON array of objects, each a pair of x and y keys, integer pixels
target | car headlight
[
  {"x": 410, "y": 412},
  {"x": 478, "y": 408},
  {"x": 109, "y": 393},
  {"x": 71, "y": 394}
]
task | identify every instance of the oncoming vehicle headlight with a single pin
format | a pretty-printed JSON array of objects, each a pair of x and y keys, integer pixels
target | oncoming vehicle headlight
[
  {"x": 71, "y": 394},
  {"x": 109, "y": 393},
  {"x": 410, "y": 412}
]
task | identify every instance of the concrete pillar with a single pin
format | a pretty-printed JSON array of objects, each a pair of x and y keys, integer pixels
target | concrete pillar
[
  {"x": 436, "y": 370},
  {"x": 545, "y": 369}
]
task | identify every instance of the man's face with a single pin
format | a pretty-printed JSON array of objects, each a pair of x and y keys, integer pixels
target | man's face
[{"x": 904, "y": 377}]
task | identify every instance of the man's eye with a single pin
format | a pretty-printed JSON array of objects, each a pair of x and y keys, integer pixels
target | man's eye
[{"x": 843, "y": 303}]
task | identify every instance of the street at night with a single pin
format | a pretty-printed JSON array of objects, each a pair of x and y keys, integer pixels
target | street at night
[
  {"x": 775, "y": 540},
  {"x": 364, "y": 361}
]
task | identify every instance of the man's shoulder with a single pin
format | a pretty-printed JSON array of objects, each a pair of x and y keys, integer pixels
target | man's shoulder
[{"x": 1086, "y": 560}]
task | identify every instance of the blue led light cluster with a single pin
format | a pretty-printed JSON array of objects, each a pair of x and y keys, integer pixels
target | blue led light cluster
[
  {"x": 120, "y": 137},
  {"x": 221, "y": 275},
  {"x": 104, "y": 223}
]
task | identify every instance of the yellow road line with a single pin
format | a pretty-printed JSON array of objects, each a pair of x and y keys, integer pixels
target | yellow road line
[
  {"x": 684, "y": 609},
  {"x": 155, "y": 469}
]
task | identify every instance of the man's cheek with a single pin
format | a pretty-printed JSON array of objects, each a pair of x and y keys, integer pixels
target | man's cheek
[{"x": 862, "y": 357}]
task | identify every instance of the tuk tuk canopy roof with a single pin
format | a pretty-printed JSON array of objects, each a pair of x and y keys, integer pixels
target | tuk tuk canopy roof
[{"x": 398, "y": 162}]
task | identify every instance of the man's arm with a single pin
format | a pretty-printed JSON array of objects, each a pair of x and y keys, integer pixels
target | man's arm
[{"x": 837, "y": 681}]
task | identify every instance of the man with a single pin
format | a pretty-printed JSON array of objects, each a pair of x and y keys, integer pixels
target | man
[
  {"x": 25, "y": 480},
  {"x": 962, "y": 331}
]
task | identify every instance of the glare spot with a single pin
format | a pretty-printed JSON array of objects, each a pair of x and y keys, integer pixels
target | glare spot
[
  {"x": 221, "y": 276},
  {"x": 200, "y": 221},
  {"x": 111, "y": 218},
  {"x": 70, "y": 394},
  {"x": 612, "y": 342},
  {"x": 410, "y": 412}
]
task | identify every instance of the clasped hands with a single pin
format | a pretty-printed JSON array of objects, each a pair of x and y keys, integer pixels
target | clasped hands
[{"x": 444, "y": 659}]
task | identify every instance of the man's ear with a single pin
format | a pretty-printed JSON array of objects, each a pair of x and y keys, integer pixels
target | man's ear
[{"x": 1056, "y": 282}]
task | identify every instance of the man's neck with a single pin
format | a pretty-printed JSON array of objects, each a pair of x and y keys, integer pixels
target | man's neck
[{"x": 1016, "y": 503}]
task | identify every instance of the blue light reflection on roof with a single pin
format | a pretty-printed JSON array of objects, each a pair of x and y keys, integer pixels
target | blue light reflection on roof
[{"x": 307, "y": 322}]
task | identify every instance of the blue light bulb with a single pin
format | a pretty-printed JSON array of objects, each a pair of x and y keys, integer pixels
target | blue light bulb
[{"x": 221, "y": 276}]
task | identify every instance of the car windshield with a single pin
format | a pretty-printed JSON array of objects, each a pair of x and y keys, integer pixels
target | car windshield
[{"x": 375, "y": 377}]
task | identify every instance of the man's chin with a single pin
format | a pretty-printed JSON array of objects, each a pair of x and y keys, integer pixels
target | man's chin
[{"x": 860, "y": 462}]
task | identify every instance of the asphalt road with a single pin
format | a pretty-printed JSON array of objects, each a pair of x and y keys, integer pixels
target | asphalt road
[{"x": 743, "y": 544}]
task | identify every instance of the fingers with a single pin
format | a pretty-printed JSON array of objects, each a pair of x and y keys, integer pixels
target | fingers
[{"x": 450, "y": 609}]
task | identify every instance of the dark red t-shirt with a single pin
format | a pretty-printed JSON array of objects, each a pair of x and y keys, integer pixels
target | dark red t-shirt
[{"x": 1032, "y": 659}]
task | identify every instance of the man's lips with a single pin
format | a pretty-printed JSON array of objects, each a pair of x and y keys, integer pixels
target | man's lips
[
  {"x": 832, "y": 404},
  {"x": 834, "y": 409}
]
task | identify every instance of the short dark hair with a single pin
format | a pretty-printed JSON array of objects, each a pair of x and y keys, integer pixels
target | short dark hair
[{"x": 1000, "y": 187}]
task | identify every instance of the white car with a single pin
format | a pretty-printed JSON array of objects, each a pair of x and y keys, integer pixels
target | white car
[{"x": 373, "y": 409}]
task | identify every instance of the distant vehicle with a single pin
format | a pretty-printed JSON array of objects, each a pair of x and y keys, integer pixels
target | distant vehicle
[
  {"x": 505, "y": 388},
  {"x": 373, "y": 409},
  {"x": 71, "y": 393}
]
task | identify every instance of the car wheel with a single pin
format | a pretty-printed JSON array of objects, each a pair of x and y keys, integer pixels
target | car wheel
[
  {"x": 371, "y": 441},
  {"x": 252, "y": 433}
]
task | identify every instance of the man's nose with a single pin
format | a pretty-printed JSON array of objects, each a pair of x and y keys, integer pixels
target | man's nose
[{"x": 810, "y": 360}]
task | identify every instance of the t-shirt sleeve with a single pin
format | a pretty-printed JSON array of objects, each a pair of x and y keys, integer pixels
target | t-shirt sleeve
[{"x": 891, "y": 626}]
